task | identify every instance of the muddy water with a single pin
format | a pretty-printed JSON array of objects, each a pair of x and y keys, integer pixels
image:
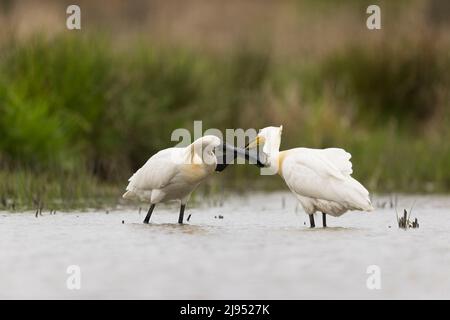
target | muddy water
[{"x": 260, "y": 249}]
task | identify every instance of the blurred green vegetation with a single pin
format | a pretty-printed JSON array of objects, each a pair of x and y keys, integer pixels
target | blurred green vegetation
[{"x": 78, "y": 115}]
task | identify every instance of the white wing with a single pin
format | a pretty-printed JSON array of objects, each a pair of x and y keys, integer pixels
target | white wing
[
  {"x": 324, "y": 174},
  {"x": 339, "y": 158},
  {"x": 157, "y": 172}
]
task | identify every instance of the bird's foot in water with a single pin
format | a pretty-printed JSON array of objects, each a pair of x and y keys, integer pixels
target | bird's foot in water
[
  {"x": 311, "y": 221},
  {"x": 180, "y": 217},
  {"x": 149, "y": 214}
]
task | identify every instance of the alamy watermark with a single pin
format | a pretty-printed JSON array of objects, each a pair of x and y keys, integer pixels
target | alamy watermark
[
  {"x": 373, "y": 282},
  {"x": 247, "y": 140},
  {"x": 73, "y": 21},
  {"x": 73, "y": 281},
  {"x": 373, "y": 22}
]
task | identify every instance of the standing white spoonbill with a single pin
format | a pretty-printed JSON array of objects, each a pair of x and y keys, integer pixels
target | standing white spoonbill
[
  {"x": 319, "y": 178},
  {"x": 174, "y": 173}
]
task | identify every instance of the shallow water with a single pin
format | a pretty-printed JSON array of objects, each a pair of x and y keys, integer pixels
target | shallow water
[{"x": 261, "y": 249}]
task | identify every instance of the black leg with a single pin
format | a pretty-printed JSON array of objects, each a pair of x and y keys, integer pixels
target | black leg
[
  {"x": 180, "y": 218},
  {"x": 311, "y": 221},
  {"x": 149, "y": 213},
  {"x": 324, "y": 220}
]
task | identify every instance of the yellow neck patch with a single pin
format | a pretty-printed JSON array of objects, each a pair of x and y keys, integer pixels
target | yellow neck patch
[{"x": 281, "y": 157}]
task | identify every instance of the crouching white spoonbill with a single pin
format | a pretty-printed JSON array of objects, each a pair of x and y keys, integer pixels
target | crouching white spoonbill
[
  {"x": 174, "y": 173},
  {"x": 319, "y": 178}
]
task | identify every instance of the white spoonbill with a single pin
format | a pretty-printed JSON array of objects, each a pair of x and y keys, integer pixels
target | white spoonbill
[
  {"x": 174, "y": 173},
  {"x": 319, "y": 178}
]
